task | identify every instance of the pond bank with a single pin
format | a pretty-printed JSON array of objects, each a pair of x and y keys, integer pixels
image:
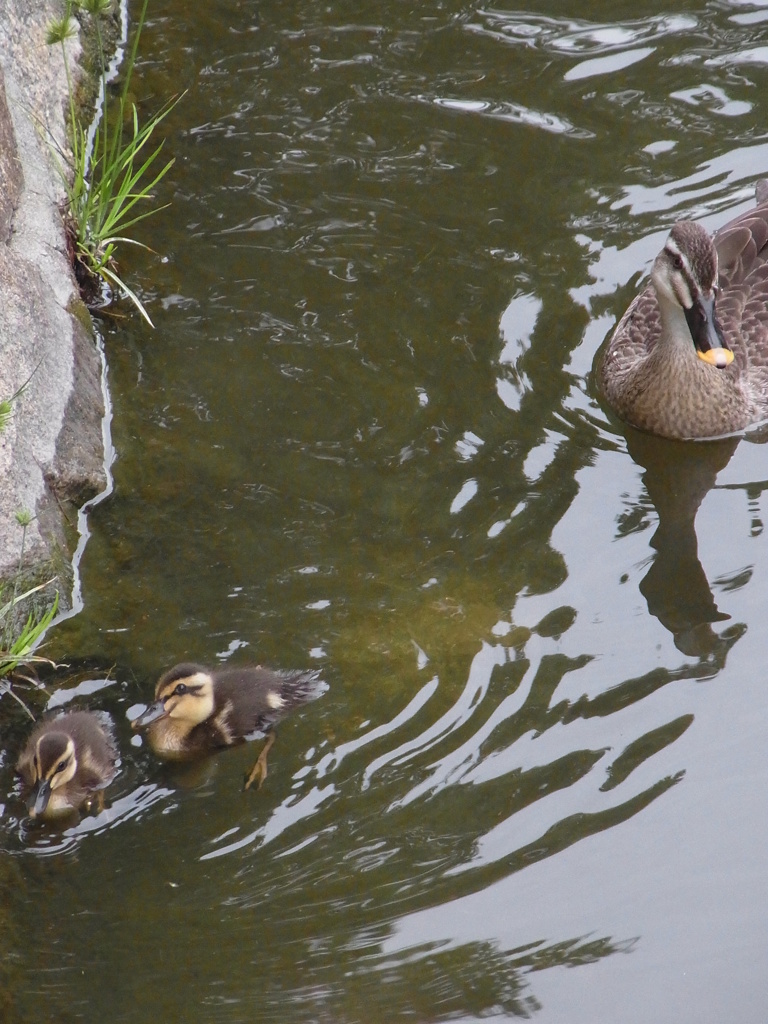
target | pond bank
[{"x": 52, "y": 449}]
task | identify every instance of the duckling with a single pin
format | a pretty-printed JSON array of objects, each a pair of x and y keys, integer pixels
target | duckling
[
  {"x": 198, "y": 710},
  {"x": 66, "y": 759}
]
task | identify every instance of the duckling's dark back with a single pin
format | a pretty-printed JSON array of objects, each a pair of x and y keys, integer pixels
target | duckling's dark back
[{"x": 258, "y": 698}]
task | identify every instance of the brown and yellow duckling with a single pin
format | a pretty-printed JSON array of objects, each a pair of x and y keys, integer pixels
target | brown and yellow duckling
[
  {"x": 198, "y": 710},
  {"x": 66, "y": 760}
]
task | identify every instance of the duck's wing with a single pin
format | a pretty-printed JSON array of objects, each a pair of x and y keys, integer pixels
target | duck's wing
[
  {"x": 742, "y": 249},
  {"x": 639, "y": 328},
  {"x": 634, "y": 338}
]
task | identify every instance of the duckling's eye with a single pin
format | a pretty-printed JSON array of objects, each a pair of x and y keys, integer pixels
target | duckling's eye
[
  {"x": 677, "y": 261},
  {"x": 181, "y": 689},
  {"x": 61, "y": 766}
]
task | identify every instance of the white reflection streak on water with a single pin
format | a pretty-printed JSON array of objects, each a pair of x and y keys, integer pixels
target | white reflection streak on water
[
  {"x": 566, "y": 37},
  {"x": 607, "y": 65},
  {"x": 125, "y": 808},
  {"x": 470, "y": 698},
  {"x": 728, "y": 170},
  {"x": 527, "y": 826},
  {"x": 513, "y": 113},
  {"x": 121, "y": 810},
  {"x": 605, "y": 735},
  {"x": 282, "y": 818},
  {"x": 332, "y": 761},
  {"x": 454, "y": 766}
]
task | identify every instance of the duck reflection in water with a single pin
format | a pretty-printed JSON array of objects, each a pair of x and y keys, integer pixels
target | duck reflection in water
[{"x": 678, "y": 475}]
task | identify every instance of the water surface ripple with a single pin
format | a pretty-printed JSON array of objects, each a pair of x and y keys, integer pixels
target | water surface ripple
[{"x": 365, "y": 437}]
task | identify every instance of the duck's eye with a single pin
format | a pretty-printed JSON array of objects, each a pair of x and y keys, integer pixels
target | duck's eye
[
  {"x": 180, "y": 690},
  {"x": 61, "y": 766},
  {"x": 677, "y": 261}
]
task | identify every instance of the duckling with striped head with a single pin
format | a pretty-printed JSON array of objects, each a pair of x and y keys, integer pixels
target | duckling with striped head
[
  {"x": 198, "y": 710},
  {"x": 66, "y": 760}
]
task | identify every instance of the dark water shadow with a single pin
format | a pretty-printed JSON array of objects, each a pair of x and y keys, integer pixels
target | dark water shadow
[{"x": 678, "y": 476}]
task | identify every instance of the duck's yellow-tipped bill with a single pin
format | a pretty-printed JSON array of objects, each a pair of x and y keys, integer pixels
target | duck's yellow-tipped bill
[{"x": 719, "y": 357}]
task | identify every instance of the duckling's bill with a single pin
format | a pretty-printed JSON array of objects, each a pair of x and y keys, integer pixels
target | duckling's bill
[
  {"x": 38, "y": 800},
  {"x": 152, "y": 714}
]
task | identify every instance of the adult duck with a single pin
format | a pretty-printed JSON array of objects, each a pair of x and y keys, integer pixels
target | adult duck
[{"x": 689, "y": 358}]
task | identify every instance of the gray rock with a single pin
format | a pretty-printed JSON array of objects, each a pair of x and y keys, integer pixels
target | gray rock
[{"x": 51, "y": 451}]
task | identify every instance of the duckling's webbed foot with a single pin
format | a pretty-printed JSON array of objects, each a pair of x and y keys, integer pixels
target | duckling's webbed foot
[{"x": 260, "y": 768}]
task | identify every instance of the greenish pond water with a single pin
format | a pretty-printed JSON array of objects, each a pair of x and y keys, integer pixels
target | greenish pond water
[{"x": 364, "y": 438}]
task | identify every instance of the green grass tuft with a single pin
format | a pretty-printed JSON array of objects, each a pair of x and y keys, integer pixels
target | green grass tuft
[{"x": 109, "y": 180}]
